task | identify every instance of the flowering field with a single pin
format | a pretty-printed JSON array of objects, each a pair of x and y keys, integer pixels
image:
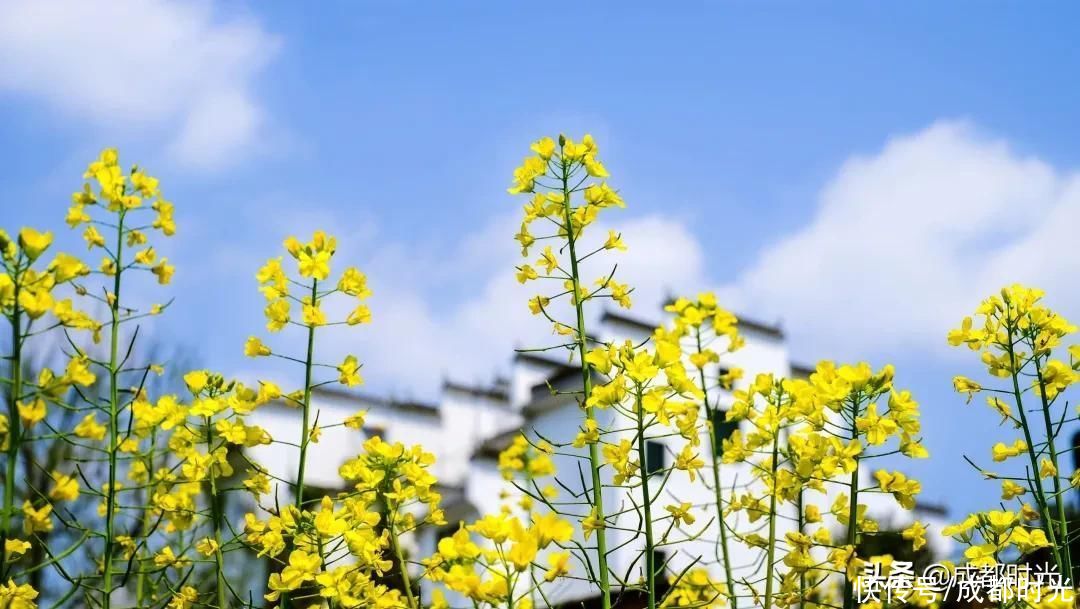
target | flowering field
[{"x": 119, "y": 495}]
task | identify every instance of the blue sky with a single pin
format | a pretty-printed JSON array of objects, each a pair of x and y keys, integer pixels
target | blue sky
[{"x": 864, "y": 173}]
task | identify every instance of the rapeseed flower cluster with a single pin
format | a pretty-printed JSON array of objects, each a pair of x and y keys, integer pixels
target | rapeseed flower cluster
[
  {"x": 700, "y": 331},
  {"x": 564, "y": 181},
  {"x": 495, "y": 561},
  {"x": 803, "y": 435},
  {"x": 1022, "y": 343},
  {"x": 121, "y": 491},
  {"x": 119, "y": 213}
]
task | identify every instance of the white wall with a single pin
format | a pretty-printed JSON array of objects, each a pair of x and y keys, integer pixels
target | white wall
[
  {"x": 337, "y": 444},
  {"x": 468, "y": 419},
  {"x": 465, "y": 418}
]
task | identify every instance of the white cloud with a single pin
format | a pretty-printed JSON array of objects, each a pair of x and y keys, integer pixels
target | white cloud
[
  {"x": 178, "y": 67},
  {"x": 902, "y": 244},
  {"x": 459, "y": 312},
  {"x": 472, "y": 338},
  {"x": 908, "y": 240}
]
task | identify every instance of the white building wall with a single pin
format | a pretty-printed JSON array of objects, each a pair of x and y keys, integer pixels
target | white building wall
[
  {"x": 561, "y": 424},
  {"x": 465, "y": 418},
  {"x": 530, "y": 370},
  {"x": 337, "y": 444},
  {"x": 560, "y": 420},
  {"x": 468, "y": 419}
]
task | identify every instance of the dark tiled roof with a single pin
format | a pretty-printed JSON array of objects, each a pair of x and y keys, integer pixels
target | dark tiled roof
[
  {"x": 495, "y": 392},
  {"x": 417, "y": 407},
  {"x": 560, "y": 377},
  {"x": 935, "y": 509},
  {"x": 565, "y": 380},
  {"x": 494, "y": 445},
  {"x": 748, "y": 324},
  {"x": 539, "y": 358}
]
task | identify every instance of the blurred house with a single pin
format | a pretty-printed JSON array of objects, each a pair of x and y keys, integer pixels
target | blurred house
[{"x": 468, "y": 426}]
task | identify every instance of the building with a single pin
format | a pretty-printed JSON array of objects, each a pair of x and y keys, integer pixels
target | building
[{"x": 469, "y": 426}]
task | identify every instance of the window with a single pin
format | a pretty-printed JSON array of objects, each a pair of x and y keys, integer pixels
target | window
[
  {"x": 660, "y": 561},
  {"x": 1076, "y": 450},
  {"x": 720, "y": 372},
  {"x": 445, "y": 531},
  {"x": 654, "y": 457},
  {"x": 660, "y": 564},
  {"x": 723, "y": 429},
  {"x": 313, "y": 494}
]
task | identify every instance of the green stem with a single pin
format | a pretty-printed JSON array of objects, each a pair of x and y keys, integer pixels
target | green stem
[
  {"x": 114, "y": 415},
  {"x": 305, "y": 424},
  {"x": 509, "y": 582},
  {"x": 646, "y": 500},
  {"x": 1040, "y": 493},
  {"x": 800, "y": 522},
  {"x": 528, "y": 519},
  {"x": 144, "y": 529},
  {"x": 305, "y": 431},
  {"x": 1063, "y": 522},
  {"x": 586, "y": 380},
  {"x": 714, "y": 444},
  {"x": 14, "y": 426},
  {"x": 770, "y": 565},
  {"x": 406, "y": 581},
  {"x": 853, "y": 509},
  {"x": 218, "y": 518}
]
